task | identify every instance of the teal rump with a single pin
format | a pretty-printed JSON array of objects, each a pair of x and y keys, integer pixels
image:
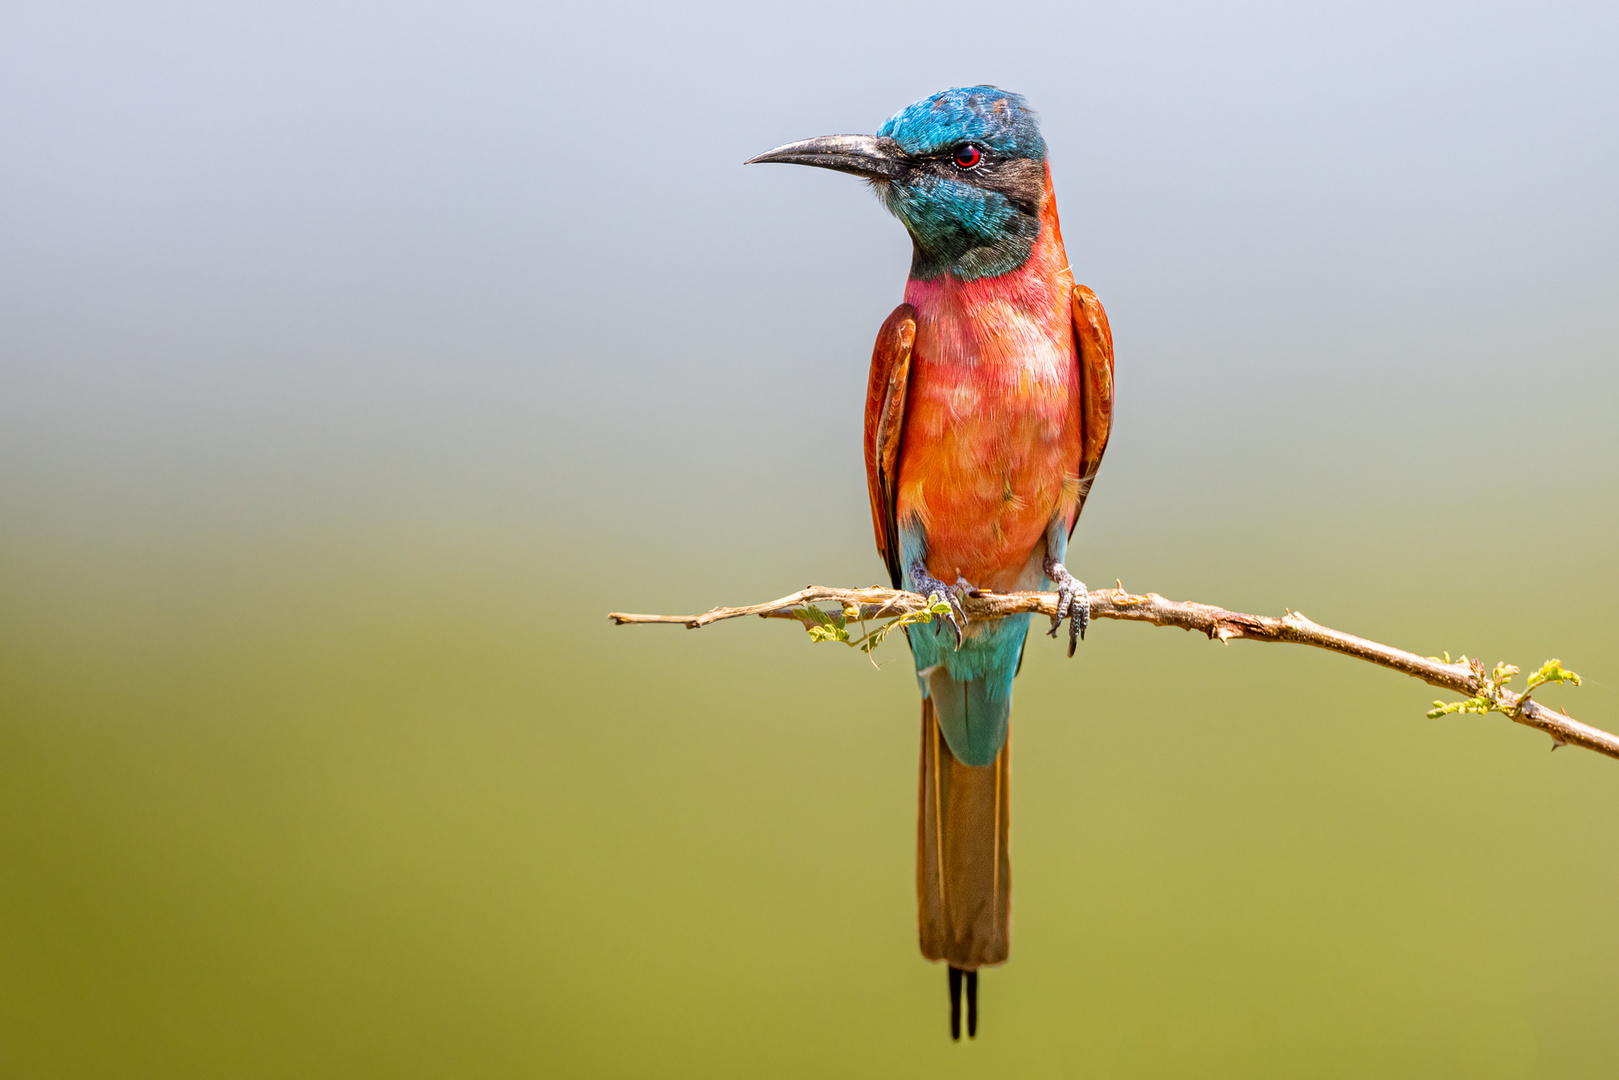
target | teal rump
[{"x": 971, "y": 687}]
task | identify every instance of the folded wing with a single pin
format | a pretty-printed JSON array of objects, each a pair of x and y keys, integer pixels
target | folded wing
[
  {"x": 885, "y": 428},
  {"x": 1095, "y": 345}
]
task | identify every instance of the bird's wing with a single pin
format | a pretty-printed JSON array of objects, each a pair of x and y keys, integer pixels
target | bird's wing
[
  {"x": 1095, "y": 341},
  {"x": 885, "y": 429}
]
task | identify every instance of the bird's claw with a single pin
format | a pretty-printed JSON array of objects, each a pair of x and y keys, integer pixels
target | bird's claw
[
  {"x": 1073, "y": 603},
  {"x": 929, "y": 586}
]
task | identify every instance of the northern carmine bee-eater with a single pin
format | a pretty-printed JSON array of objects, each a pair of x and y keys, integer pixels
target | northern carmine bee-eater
[{"x": 987, "y": 412}]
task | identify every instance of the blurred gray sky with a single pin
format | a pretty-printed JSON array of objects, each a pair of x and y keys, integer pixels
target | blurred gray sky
[{"x": 352, "y": 248}]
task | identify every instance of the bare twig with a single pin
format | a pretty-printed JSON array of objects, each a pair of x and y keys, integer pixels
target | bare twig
[{"x": 1487, "y": 691}]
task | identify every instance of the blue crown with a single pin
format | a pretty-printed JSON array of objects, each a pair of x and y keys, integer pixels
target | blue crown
[{"x": 987, "y": 115}]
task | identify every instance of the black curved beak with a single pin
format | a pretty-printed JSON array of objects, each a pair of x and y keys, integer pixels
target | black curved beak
[{"x": 863, "y": 155}]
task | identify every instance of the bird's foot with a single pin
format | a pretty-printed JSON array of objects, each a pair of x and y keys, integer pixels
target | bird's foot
[
  {"x": 1073, "y": 602},
  {"x": 928, "y": 585}
]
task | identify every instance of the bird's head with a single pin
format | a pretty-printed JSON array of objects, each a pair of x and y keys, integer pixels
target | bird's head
[{"x": 964, "y": 170}]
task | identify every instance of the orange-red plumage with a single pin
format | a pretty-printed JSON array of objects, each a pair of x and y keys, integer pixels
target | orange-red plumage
[{"x": 988, "y": 408}]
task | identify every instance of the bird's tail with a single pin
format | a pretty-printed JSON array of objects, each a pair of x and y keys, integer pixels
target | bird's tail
[{"x": 963, "y": 869}]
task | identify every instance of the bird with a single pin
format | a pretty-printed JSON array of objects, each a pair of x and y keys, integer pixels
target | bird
[{"x": 988, "y": 408}]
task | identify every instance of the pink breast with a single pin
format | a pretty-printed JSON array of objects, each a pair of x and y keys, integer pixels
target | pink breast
[{"x": 992, "y": 424}]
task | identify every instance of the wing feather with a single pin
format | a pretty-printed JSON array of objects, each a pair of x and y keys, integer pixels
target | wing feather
[
  {"x": 885, "y": 428},
  {"x": 1095, "y": 346}
]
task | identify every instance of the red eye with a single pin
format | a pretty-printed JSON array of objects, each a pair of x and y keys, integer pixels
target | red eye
[{"x": 967, "y": 155}]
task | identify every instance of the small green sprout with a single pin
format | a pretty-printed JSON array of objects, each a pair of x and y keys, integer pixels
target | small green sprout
[
  {"x": 1551, "y": 671},
  {"x": 1490, "y": 696},
  {"x": 824, "y": 625}
]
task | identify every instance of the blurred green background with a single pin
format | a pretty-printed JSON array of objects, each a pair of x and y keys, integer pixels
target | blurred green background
[{"x": 355, "y": 361}]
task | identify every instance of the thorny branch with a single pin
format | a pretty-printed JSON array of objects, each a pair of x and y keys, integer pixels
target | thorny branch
[{"x": 1485, "y": 692}]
